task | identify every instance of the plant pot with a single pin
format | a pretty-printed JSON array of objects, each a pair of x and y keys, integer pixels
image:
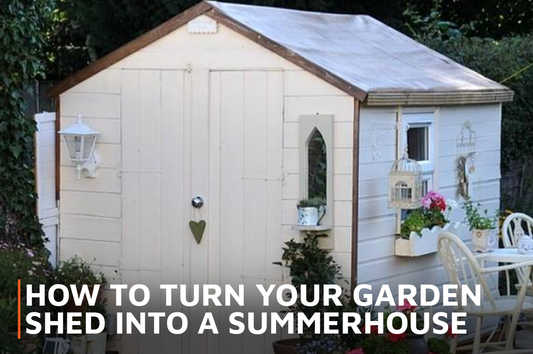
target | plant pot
[
  {"x": 287, "y": 346},
  {"x": 79, "y": 344},
  {"x": 482, "y": 240},
  {"x": 97, "y": 343},
  {"x": 416, "y": 344},
  {"x": 426, "y": 243},
  {"x": 310, "y": 216}
]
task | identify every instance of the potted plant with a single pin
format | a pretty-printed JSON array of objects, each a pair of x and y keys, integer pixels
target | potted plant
[
  {"x": 75, "y": 271},
  {"x": 30, "y": 266},
  {"x": 421, "y": 227},
  {"x": 308, "y": 265},
  {"x": 481, "y": 226},
  {"x": 311, "y": 211},
  {"x": 97, "y": 343}
]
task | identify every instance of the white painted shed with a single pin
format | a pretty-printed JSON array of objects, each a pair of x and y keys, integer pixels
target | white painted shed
[{"x": 220, "y": 102}]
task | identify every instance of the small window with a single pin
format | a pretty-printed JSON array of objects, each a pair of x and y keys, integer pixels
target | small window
[
  {"x": 317, "y": 166},
  {"x": 417, "y": 137},
  {"x": 418, "y": 142}
]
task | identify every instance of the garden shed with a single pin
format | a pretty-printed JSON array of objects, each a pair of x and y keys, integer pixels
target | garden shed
[{"x": 223, "y": 102}]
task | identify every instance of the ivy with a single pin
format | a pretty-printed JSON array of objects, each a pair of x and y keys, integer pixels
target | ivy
[{"x": 23, "y": 26}]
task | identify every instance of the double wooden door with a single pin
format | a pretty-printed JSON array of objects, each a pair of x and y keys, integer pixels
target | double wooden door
[{"x": 217, "y": 135}]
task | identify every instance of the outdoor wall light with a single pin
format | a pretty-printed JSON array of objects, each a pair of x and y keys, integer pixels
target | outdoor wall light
[{"x": 79, "y": 141}]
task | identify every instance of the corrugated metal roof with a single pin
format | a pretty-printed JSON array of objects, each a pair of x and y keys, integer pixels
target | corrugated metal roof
[{"x": 386, "y": 64}]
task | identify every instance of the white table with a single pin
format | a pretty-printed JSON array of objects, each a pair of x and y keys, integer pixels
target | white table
[
  {"x": 510, "y": 255},
  {"x": 504, "y": 255}
]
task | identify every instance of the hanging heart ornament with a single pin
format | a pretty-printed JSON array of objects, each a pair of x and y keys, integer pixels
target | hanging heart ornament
[{"x": 197, "y": 229}]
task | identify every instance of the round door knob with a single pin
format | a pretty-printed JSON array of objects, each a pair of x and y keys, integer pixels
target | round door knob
[{"x": 197, "y": 202}]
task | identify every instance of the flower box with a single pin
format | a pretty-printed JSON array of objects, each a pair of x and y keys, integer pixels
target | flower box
[{"x": 418, "y": 245}]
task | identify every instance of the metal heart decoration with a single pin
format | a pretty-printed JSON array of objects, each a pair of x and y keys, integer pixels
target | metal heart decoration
[{"x": 197, "y": 229}]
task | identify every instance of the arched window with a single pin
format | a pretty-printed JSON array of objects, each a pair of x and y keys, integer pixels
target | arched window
[{"x": 317, "y": 166}]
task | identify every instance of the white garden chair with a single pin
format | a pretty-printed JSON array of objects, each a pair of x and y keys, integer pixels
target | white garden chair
[
  {"x": 463, "y": 268},
  {"x": 515, "y": 226}
]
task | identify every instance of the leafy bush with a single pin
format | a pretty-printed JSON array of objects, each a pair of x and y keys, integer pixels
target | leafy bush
[
  {"x": 20, "y": 262},
  {"x": 438, "y": 346},
  {"x": 31, "y": 267},
  {"x": 77, "y": 272},
  {"x": 508, "y": 61},
  {"x": 23, "y": 26},
  {"x": 310, "y": 265}
]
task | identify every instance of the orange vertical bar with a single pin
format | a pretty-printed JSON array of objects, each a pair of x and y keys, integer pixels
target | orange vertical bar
[{"x": 19, "y": 309}]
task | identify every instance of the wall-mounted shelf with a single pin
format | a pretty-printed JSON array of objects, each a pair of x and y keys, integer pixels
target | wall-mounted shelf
[
  {"x": 322, "y": 232},
  {"x": 312, "y": 228}
]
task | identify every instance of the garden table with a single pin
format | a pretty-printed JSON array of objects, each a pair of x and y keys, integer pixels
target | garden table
[{"x": 510, "y": 255}]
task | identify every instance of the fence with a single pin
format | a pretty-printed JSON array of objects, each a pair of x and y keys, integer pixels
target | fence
[{"x": 45, "y": 176}]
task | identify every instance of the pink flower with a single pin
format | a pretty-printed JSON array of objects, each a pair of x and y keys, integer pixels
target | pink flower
[
  {"x": 434, "y": 200},
  {"x": 356, "y": 351},
  {"x": 406, "y": 307}
]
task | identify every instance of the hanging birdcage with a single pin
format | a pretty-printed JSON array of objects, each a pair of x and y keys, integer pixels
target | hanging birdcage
[{"x": 405, "y": 184}]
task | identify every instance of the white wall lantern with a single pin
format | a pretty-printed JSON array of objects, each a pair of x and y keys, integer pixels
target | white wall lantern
[
  {"x": 405, "y": 184},
  {"x": 79, "y": 141}
]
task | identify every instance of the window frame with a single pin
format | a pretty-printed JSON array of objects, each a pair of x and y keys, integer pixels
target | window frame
[
  {"x": 421, "y": 120},
  {"x": 428, "y": 166},
  {"x": 323, "y": 123}
]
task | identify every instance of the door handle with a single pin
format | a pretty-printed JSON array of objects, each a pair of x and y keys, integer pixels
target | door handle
[{"x": 197, "y": 202}]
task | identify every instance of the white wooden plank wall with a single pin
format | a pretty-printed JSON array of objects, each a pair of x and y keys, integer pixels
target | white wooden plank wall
[
  {"x": 307, "y": 95},
  {"x": 378, "y": 265},
  {"x": 91, "y": 209}
]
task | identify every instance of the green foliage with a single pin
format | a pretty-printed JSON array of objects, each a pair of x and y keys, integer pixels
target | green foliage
[
  {"x": 310, "y": 265},
  {"x": 509, "y": 61},
  {"x": 77, "y": 272},
  {"x": 23, "y": 26},
  {"x": 317, "y": 166},
  {"x": 18, "y": 262},
  {"x": 311, "y": 203},
  {"x": 31, "y": 267},
  {"x": 419, "y": 219},
  {"x": 374, "y": 343},
  {"x": 477, "y": 220},
  {"x": 438, "y": 346},
  {"x": 352, "y": 340}
]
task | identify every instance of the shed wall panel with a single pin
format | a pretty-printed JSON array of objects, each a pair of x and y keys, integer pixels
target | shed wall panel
[{"x": 378, "y": 264}]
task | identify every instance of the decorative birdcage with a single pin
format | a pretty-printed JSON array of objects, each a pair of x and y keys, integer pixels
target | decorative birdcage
[{"x": 405, "y": 184}]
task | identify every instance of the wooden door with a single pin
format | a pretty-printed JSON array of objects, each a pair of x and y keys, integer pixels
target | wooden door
[
  {"x": 217, "y": 135},
  {"x": 245, "y": 190}
]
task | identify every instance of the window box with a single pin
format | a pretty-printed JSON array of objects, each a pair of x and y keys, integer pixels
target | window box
[{"x": 418, "y": 245}]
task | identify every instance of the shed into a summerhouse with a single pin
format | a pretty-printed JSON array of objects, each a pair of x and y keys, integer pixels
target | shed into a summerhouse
[{"x": 234, "y": 104}]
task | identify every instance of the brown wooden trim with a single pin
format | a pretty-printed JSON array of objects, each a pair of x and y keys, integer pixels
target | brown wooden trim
[
  {"x": 129, "y": 48},
  {"x": 287, "y": 54},
  {"x": 58, "y": 145},
  {"x": 355, "y": 196},
  {"x": 438, "y": 98}
]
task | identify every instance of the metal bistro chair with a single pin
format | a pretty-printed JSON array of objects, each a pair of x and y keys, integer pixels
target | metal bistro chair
[
  {"x": 515, "y": 226},
  {"x": 463, "y": 268}
]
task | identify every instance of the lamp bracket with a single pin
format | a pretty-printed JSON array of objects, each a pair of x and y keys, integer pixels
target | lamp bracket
[{"x": 89, "y": 167}]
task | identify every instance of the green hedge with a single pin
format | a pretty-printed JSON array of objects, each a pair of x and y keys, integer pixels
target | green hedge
[{"x": 23, "y": 26}]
